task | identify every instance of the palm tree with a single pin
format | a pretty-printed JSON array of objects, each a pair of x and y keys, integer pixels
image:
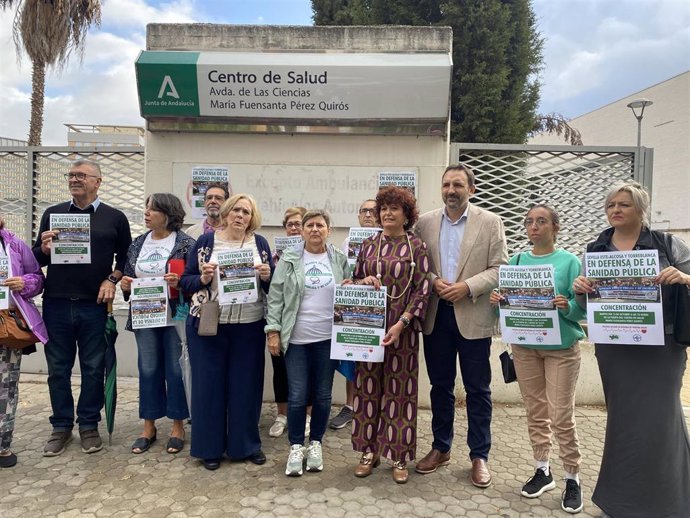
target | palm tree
[{"x": 49, "y": 31}]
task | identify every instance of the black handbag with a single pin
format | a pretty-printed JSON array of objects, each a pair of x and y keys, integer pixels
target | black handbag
[
  {"x": 508, "y": 366},
  {"x": 681, "y": 303}
]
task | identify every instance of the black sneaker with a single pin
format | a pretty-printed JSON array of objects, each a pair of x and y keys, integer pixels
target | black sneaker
[
  {"x": 572, "y": 497},
  {"x": 539, "y": 483}
]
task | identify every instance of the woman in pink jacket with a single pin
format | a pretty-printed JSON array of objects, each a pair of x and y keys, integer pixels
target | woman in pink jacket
[{"x": 24, "y": 280}]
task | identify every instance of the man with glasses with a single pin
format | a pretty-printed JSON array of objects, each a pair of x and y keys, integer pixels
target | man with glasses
[
  {"x": 75, "y": 308},
  {"x": 216, "y": 194},
  {"x": 367, "y": 218},
  {"x": 467, "y": 245}
]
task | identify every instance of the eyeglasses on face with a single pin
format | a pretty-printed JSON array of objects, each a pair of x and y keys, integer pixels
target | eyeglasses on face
[
  {"x": 215, "y": 197},
  {"x": 79, "y": 176},
  {"x": 367, "y": 211},
  {"x": 539, "y": 221},
  {"x": 293, "y": 224}
]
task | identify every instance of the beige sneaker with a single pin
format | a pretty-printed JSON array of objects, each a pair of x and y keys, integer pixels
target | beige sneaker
[{"x": 279, "y": 426}]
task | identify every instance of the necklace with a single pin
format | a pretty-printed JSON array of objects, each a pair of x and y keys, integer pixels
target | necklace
[{"x": 412, "y": 265}]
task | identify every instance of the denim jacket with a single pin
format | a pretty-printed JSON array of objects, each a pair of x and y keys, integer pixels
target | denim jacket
[
  {"x": 24, "y": 264},
  {"x": 287, "y": 289},
  {"x": 183, "y": 243}
]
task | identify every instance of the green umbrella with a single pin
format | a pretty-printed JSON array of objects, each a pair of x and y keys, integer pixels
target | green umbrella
[{"x": 109, "y": 336}]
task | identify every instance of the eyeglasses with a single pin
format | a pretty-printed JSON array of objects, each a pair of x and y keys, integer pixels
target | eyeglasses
[
  {"x": 367, "y": 211},
  {"x": 79, "y": 176},
  {"x": 211, "y": 197},
  {"x": 293, "y": 224},
  {"x": 539, "y": 221}
]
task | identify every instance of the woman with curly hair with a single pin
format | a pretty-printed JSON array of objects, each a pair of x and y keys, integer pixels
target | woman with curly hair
[{"x": 385, "y": 410}]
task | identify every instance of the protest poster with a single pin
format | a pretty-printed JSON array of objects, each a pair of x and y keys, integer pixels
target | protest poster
[
  {"x": 236, "y": 277},
  {"x": 625, "y": 307},
  {"x": 355, "y": 238},
  {"x": 149, "y": 301},
  {"x": 359, "y": 323},
  {"x": 527, "y": 313},
  {"x": 4, "y": 275},
  {"x": 201, "y": 178},
  {"x": 405, "y": 179},
  {"x": 72, "y": 244},
  {"x": 281, "y": 243}
]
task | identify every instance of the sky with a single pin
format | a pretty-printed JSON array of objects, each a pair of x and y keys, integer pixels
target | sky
[{"x": 595, "y": 52}]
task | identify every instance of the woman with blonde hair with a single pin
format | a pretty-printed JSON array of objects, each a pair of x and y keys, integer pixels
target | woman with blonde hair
[
  {"x": 645, "y": 466},
  {"x": 228, "y": 367}
]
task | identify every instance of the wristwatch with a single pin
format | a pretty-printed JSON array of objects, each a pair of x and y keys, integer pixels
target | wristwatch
[{"x": 113, "y": 279}]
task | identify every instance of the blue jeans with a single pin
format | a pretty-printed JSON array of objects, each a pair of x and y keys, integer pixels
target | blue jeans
[
  {"x": 310, "y": 373},
  {"x": 442, "y": 347},
  {"x": 75, "y": 326},
  {"x": 161, "y": 391}
]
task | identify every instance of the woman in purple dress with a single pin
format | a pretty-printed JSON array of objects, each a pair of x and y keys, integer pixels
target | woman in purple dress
[{"x": 385, "y": 410}]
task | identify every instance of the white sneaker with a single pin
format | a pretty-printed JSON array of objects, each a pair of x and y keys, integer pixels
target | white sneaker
[
  {"x": 279, "y": 426},
  {"x": 307, "y": 427},
  {"x": 295, "y": 461},
  {"x": 314, "y": 457}
]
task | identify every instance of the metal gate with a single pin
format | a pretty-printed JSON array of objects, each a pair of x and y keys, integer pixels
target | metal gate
[
  {"x": 574, "y": 180},
  {"x": 32, "y": 179}
]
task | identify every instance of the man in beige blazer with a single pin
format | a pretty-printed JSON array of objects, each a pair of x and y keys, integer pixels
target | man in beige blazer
[{"x": 467, "y": 245}]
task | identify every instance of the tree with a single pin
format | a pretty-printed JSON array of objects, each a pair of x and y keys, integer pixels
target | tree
[
  {"x": 49, "y": 31},
  {"x": 497, "y": 54}
]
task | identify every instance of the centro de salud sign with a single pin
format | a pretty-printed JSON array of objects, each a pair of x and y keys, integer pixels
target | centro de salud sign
[{"x": 241, "y": 85}]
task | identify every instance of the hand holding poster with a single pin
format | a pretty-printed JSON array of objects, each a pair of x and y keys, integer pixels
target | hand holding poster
[
  {"x": 281, "y": 243},
  {"x": 149, "y": 302},
  {"x": 625, "y": 307},
  {"x": 405, "y": 179},
  {"x": 73, "y": 241},
  {"x": 527, "y": 312},
  {"x": 236, "y": 277},
  {"x": 4, "y": 275},
  {"x": 201, "y": 178},
  {"x": 359, "y": 323},
  {"x": 354, "y": 241}
]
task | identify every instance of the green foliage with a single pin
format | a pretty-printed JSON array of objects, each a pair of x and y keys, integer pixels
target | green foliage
[{"x": 497, "y": 53}]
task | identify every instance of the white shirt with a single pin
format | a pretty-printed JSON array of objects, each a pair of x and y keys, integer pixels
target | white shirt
[
  {"x": 315, "y": 315},
  {"x": 154, "y": 255}
]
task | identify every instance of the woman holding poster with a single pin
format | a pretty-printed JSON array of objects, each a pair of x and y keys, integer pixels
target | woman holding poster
[
  {"x": 227, "y": 357},
  {"x": 298, "y": 325},
  {"x": 385, "y": 410},
  {"x": 21, "y": 279},
  {"x": 161, "y": 392},
  {"x": 645, "y": 466},
  {"x": 547, "y": 374},
  {"x": 292, "y": 223}
]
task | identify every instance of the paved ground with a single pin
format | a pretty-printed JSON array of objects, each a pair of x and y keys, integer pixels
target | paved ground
[{"x": 116, "y": 483}]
